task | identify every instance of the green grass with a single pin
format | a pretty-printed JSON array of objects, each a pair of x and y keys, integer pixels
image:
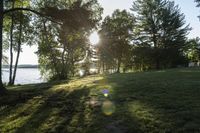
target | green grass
[{"x": 158, "y": 101}]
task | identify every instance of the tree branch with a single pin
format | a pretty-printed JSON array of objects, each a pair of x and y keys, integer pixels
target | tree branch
[{"x": 30, "y": 10}]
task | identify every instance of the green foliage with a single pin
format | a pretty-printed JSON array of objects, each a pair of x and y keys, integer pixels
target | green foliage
[
  {"x": 143, "y": 59},
  {"x": 17, "y": 31},
  {"x": 116, "y": 36},
  {"x": 27, "y": 36},
  {"x": 192, "y": 49},
  {"x": 160, "y": 26},
  {"x": 68, "y": 40}
]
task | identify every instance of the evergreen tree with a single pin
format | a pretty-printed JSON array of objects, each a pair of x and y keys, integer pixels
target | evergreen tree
[
  {"x": 198, "y": 4},
  {"x": 160, "y": 26}
]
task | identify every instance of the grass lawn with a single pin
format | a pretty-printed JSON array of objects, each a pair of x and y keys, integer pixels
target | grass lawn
[{"x": 157, "y": 101}]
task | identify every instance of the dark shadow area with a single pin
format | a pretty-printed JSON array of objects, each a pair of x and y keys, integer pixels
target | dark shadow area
[{"x": 157, "y": 102}]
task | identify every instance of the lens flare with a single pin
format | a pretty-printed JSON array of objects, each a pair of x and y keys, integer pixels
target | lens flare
[
  {"x": 105, "y": 92},
  {"x": 108, "y": 108},
  {"x": 81, "y": 73},
  {"x": 106, "y": 95}
]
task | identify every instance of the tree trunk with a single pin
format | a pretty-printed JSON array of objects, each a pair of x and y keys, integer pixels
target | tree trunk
[
  {"x": 118, "y": 65},
  {"x": 11, "y": 46},
  {"x": 18, "y": 48},
  {"x": 2, "y": 88},
  {"x": 63, "y": 63},
  {"x": 16, "y": 63}
]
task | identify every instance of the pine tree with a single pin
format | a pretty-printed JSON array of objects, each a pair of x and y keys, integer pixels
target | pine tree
[
  {"x": 198, "y": 4},
  {"x": 160, "y": 26}
]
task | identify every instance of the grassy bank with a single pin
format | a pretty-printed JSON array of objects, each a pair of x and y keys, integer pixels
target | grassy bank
[{"x": 159, "y": 101}]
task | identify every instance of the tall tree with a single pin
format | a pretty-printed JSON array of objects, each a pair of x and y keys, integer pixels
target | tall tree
[
  {"x": 11, "y": 44},
  {"x": 2, "y": 88},
  {"x": 18, "y": 47},
  {"x": 18, "y": 20},
  {"x": 161, "y": 26},
  {"x": 115, "y": 36},
  {"x": 71, "y": 34},
  {"x": 24, "y": 33},
  {"x": 2, "y": 13}
]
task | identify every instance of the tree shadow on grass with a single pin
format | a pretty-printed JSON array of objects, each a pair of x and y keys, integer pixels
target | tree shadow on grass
[
  {"x": 62, "y": 111},
  {"x": 31, "y": 109},
  {"x": 21, "y": 94},
  {"x": 71, "y": 111},
  {"x": 21, "y": 101},
  {"x": 147, "y": 103}
]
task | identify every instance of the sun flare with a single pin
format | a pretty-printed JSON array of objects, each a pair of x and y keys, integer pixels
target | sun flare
[{"x": 94, "y": 38}]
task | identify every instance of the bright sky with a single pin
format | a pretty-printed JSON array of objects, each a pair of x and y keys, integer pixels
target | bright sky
[{"x": 188, "y": 7}]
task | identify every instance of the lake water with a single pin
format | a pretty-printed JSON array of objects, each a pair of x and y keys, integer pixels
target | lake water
[{"x": 24, "y": 76}]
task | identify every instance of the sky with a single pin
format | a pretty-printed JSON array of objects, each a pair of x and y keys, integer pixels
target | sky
[{"x": 188, "y": 7}]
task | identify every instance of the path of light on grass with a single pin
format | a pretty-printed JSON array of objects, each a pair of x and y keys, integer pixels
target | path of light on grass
[{"x": 108, "y": 107}]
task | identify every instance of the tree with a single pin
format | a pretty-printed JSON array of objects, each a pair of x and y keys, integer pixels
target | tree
[
  {"x": 2, "y": 13},
  {"x": 2, "y": 88},
  {"x": 198, "y": 4},
  {"x": 160, "y": 25},
  {"x": 24, "y": 32},
  {"x": 192, "y": 49},
  {"x": 142, "y": 58},
  {"x": 71, "y": 43},
  {"x": 20, "y": 32},
  {"x": 11, "y": 44},
  {"x": 115, "y": 36}
]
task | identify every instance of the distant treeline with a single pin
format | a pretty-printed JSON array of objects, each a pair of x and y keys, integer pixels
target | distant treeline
[{"x": 22, "y": 66}]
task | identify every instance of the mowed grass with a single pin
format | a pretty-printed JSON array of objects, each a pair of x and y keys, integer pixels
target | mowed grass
[{"x": 157, "y": 101}]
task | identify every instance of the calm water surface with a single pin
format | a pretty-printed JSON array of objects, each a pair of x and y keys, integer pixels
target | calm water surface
[{"x": 24, "y": 76}]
